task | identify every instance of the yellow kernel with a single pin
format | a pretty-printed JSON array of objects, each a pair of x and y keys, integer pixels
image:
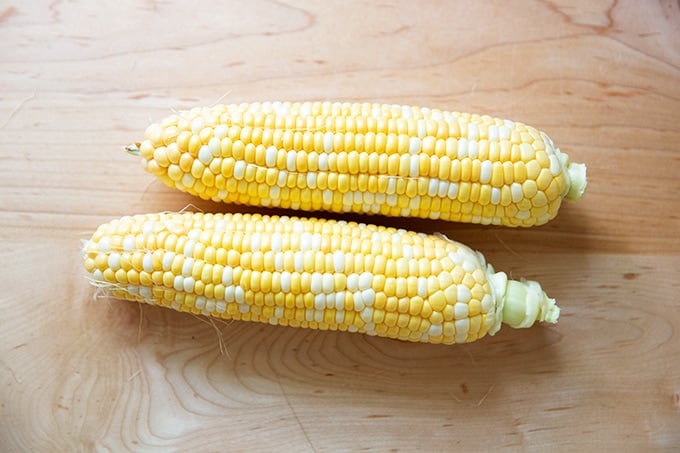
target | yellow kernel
[{"x": 544, "y": 179}]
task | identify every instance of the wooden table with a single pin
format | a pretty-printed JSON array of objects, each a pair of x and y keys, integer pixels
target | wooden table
[{"x": 81, "y": 79}]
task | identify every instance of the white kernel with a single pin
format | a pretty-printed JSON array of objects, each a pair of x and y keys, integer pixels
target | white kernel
[
  {"x": 200, "y": 302},
  {"x": 239, "y": 295},
  {"x": 306, "y": 241},
  {"x": 555, "y": 165},
  {"x": 340, "y": 300},
  {"x": 320, "y": 301},
  {"x": 462, "y": 329},
  {"x": 311, "y": 180},
  {"x": 187, "y": 267},
  {"x": 460, "y": 310},
  {"x": 128, "y": 243},
  {"x": 422, "y": 128},
  {"x": 327, "y": 197},
  {"x": 275, "y": 242},
  {"x": 435, "y": 330},
  {"x": 473, "y": 149},
  {"x": 178, "y": 283},
  {"x": 318, "y": 315},
  {"x": 330, "y": 300},
  {"x": 298, "y": 261},
  {"x": 463, "y": 295},
  {"x": 204, "y": 155},
  {"x": 270, "y": 156},
  {"x": 291, "y": 158},
  {"x": 243, "y": 308},
  {"x": 328, "y": 283},
  {"x": 504, "y": 131},
  {"x": 473, "y": 131},
  {"x": 323, "y": 162},
  {"x": 285, "y": 281},
  {"x": 339, "y": 316},
  {"x": 339, "y": 261},
  {"x": 414, "y": 166},
  {"x": 462, "y": 148},
  {"x": 391, "y": 186},
  {"x": 367, "y": 314},
  {"x": 147, "y": 262},
  {"x": 309, "y": 314},
  {"x": 197, "y": 125},
  {"x": 451, "y": 144},
  {"x": 227, "y": 276},
  {"x": 188, "y": 181},
  {"x": 516, "y": 192},
  {"x": 365, "y": 280},
  {"x": 485, "y": 172},
  {"x": 114, "y": 261},
  {"x": 443, "y": 189},
  {"x": 414, "y": 203},
  {"x": 189, "y": 284},
  {"x": 353, "y": 282},
  {"x": 105, "y": 244},
  {"x": 148, "y": 227},
  {"x": 433, "y": 187},
  {"x": 220, "y": 131},
  {"x": 358, "y": 301},
  {"x": 316, "y": 284},
  {"x": 414, "y": 145},
  {"x": 278, "y": 261},
  {"x": 493, "y": 132},
  {"x": 487, "y": 303},
  {"x": 220, "y": 306},
  {"x": 230, "y": 294},
  {"x": 189, "y": 248},
  {"x": 239, "y": 169},
  {"x": 97, "y": 275},
  {"x": 368, "y": 296},
  {"x": 495, "y": 195},
  {"x": 328, "y": 142},
  {"x": 453, "y": 191},
  {"x": 281, "y": 178},
  {"x": 168, "y": 257},
  {"x": 145, "y": 292},
  {"x": 422, "y": 286},
  {"x": 255, "y": 241}
]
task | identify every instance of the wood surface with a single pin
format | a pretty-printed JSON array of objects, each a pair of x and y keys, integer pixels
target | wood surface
[{"x": 79, "y": 80}]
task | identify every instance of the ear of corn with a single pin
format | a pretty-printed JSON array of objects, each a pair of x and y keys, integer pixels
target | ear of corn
[
  {"x": 313, "y": 273},
  {"x": 364, "y": 158}
]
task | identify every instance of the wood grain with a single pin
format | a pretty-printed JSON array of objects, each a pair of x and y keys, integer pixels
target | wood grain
[{"x": 80, "y": 81}]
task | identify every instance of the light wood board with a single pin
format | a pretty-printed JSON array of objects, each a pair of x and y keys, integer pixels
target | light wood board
[{"x": 79, "y": 80}]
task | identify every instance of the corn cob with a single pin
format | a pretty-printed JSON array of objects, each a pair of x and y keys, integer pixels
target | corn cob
[
  {"x": 364, "y": 158},
  {"x": 314, "y": 273}
]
